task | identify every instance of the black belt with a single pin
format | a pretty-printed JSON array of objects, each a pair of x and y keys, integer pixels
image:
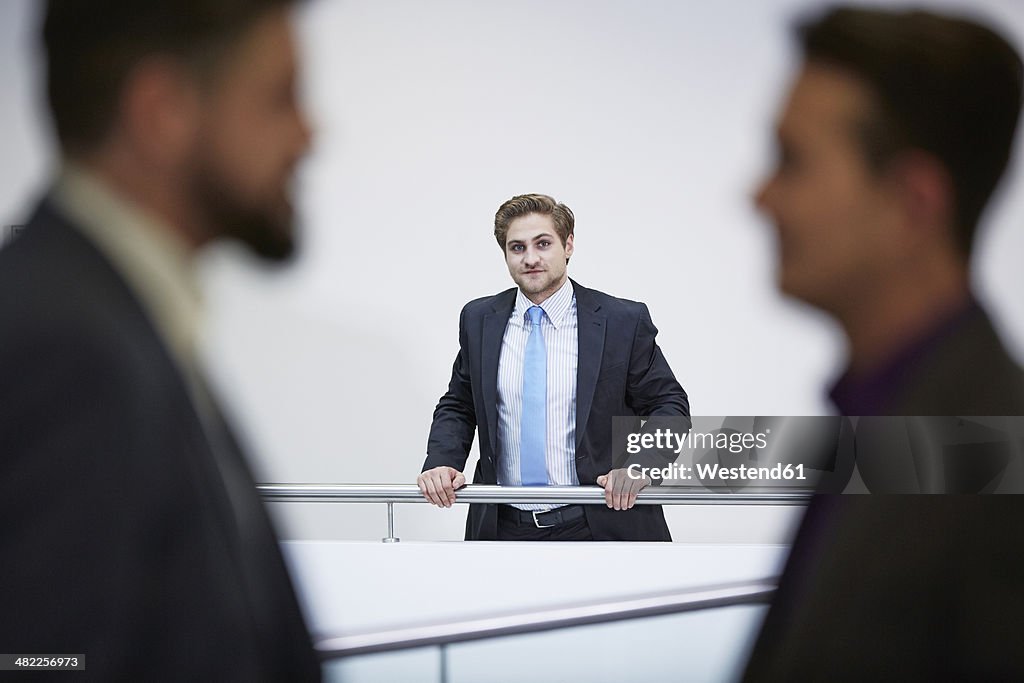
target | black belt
[{"x": 541, "y": 520}]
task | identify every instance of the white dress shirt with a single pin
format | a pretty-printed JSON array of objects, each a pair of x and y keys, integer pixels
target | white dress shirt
[{"x": 561, "y": 343}]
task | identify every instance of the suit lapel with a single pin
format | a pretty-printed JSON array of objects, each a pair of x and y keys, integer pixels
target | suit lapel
[
  {"x": 591, "y": 324},
  {"x": 495, "y": 322}
]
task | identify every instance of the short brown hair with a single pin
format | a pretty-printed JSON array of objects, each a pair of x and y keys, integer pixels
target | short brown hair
[
  {"x": 945, "y": 85},
  {"x": 91, "y": 47},
  {"x": 525, "y": 204}
]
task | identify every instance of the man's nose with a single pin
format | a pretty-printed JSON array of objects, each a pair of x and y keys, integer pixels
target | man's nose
[
  {"x": 305, "y": 132},
  {"x": 761, "y": 194}
]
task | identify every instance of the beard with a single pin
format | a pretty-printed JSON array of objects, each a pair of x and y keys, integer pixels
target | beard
[
  {"x": 548, "y": 283},
  {"x": 267, "y": 228}
]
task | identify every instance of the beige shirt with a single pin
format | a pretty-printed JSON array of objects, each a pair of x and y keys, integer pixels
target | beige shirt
[
  {"x": 156, "y": 262},
  {"x": 160, "y": 269}
]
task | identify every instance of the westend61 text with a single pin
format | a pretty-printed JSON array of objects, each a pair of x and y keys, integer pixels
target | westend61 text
[{"x": 705, "y": 471}]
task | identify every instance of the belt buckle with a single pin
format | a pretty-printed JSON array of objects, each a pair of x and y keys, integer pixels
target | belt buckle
[{"x": 536, "y": 521}]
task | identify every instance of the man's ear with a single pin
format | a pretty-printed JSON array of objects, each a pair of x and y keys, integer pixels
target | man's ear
[
  {"x": 160, "y": 112},
  {"x": 568, "y": 248},
  {"x": 924, "y": 191}
]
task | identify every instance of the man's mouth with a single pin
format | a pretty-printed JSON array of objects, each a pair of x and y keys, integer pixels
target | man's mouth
[{"x": 532, "y": 272}]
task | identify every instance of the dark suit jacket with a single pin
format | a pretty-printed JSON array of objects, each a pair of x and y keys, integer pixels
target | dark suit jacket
[
  {"x": 967, "y": 372},
  {"x": 118, "y": 538},
  {"x": 910, "y": 587},
  {"x": 620, "y": 372}
]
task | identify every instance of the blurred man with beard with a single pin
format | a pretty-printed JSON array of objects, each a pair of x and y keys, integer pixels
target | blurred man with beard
[{"x": 131, "y": 529}]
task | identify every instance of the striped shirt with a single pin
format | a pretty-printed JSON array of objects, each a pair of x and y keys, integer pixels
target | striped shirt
[{"x": 559, "y": 327}]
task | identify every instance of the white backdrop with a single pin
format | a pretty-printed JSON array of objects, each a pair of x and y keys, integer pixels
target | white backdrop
[{"x": 651, "y": 120}]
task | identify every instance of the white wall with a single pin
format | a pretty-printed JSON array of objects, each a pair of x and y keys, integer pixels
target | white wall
[{"x": 651, "y": 120}]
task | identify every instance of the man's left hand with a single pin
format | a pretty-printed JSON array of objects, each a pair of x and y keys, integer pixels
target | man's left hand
[{"x": 620, "y": 489}]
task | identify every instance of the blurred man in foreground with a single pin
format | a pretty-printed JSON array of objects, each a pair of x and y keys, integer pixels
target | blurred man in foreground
[
  {"x": 895, "y": 134},
  {"x": 131, "y": 529}
]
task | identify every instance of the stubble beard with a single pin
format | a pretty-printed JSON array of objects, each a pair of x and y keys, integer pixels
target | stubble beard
[{"x": 267, "y": 229}]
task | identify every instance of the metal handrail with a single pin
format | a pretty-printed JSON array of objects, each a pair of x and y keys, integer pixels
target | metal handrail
[
  {"x": 486, "y": 493},
  {"x": 550, "y": 618}
]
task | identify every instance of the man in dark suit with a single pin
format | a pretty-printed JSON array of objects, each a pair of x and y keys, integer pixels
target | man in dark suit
[
  {"x": 131, "y": 529},
  {"x": 894, "y": 136},
  {"x": 542, "y": 369}
]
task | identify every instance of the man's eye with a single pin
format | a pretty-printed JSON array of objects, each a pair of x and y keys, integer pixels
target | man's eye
[
  {"x": 544, "y": 244},
  {"x": 517, "y": 247}
]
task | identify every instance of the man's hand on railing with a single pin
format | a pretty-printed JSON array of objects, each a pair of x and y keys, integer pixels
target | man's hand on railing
[
  {"x": 438, "y": 485},
  {"x": 620, "y": 489}
]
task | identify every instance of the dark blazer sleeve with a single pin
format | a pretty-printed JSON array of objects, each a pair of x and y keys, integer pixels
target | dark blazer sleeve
[
  {"x": 651, "y": 388},
  {"x": 652, "y": 391},
  {"x": 454, "y": 423}
]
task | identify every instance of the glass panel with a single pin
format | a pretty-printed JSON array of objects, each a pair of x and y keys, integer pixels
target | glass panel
[
  {"x": 422, "y": 665},
  {"x": 709, "y": 645}
]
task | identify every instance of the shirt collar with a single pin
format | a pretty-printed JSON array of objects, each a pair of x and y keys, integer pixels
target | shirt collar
[
  {"x": 556, "y": 307},
  {"x": 155, "y": 261}
]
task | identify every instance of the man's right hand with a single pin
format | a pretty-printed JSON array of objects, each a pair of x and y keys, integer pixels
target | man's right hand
[{"x": 438, "y": 485}]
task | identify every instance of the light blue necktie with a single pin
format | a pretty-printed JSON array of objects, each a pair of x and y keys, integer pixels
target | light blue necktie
[{"x": 533, "y": 428}]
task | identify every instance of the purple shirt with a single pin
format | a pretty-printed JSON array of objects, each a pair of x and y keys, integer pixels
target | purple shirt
[{"x": 874, "y": 393}]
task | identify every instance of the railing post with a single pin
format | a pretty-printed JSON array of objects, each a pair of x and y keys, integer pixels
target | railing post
[{"x": 390, "y": 538}]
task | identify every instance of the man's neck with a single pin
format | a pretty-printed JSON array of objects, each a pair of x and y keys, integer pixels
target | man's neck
[
  {"x": 880, "y": 328},
  {"x": 156, "y": 193}
]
